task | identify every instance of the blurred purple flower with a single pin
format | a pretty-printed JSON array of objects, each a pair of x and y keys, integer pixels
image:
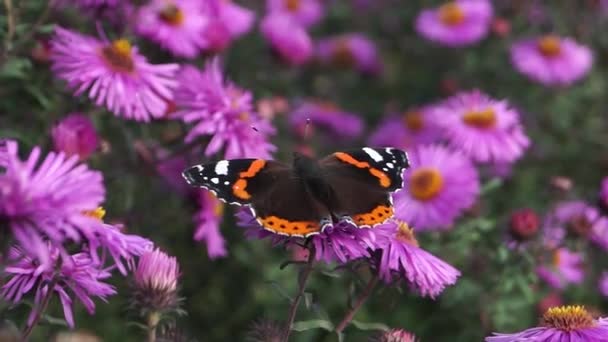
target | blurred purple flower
[
  {"x": 604, "y": 192},
  {"x": 75, "y": 135},
  {"x": 394, "y": 335},
  {"x": 456, "y": 23},
  {"x": 413, "y": 127},
  {"x": 326, "y": 115},
  {"x": 304, "y": 12},
  {"x": 439, "y": 186},
  {"x": 485, "y": 129},
  {"x": 221, "y": 110},
  {"x": 170, "y": 169},
  {"x": 208, "y": 220},
  {"x": 78, "y": 274},
  {"x": 114, "y": 73},
  {"x": 565, "y": 323},
  {"x": 552, "y": 60},
  {"x": 578, "y": 218},
  {"x": 177, "y": 25},
  {"x": 287, "y": 38},
  {"x": 48, "y": 200},
  {"x": 565, "y": 268},
  {"x": 402, "y": 258},
  {"x": 350, "y": 50},
  {"x": 603, "y": 284},
  {"x": 88, "y": 3},
  {"x": 239, "y": 20},
  {"x": 155, "y": 283}
]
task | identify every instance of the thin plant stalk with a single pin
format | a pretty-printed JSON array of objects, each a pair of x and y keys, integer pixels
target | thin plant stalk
[
  {"x": 303, "y": 279},
  {"x": 350, "y": 314}
]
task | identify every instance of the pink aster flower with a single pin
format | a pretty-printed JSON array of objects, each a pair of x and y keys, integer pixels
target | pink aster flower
[
  {"x": 350, "y": 50},
  {"x": 327, "y": 116},
  {"x": 484, "y": 129},
  {"x": 439, "y": 186},
  {"x": 413, "y": 127},
  {"x": 239, "y": 20},
  {"x": 402, "y": 258},
  {"x": 287, "y": 38},
  {"x": 456, "y": 23},
  {"x": 75, "y": 135},
  {"x": 74, "y": 277},
  {"x": 223, "y": 111},
  {"x": 155, "y": 286},
  {"x": 552, "y": 60},
  {"x": 566, "y": 268},
  {"x": 565, "y": 323},
  {"x": 176, "y": 25},
  {"x": 578, "y": 218},
  {"x": 208, "y": 221},
  {"x": 304, "y": 12},
  {"x": 114, "y": 74}
]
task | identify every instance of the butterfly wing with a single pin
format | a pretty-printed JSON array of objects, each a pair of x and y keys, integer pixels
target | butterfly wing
[
  {"x": 278, "y": 199},
  {"x": 363, "y": 181}
]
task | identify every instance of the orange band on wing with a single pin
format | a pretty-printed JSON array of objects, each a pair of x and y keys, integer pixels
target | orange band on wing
[
  {"x": 253, "y": 169},
  {"x": 291, "y": 228},
  {"x": 239, "y": 189},
  {"x": 385, "y": 182},
  {"x": 378, "y": 215}
]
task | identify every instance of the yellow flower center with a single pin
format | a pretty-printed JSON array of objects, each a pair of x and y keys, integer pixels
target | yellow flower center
[
  {"x": 406, "y": 234},
  {"x": 342, "y": 54},
  {"x": 172, "y": 15},
  {"x": 97, "y": 213},
  {"x": 244, "y": 116},
  {"x": 480, "y": 118},
  {"x": 292, "y": 5},
  {"x": 118, "y": 56},
  {"x": 413, "y": 120},
  {"x": 549, "y": 46},
  {"x": 425, "y": 183},
  {"x": 568, "y": 318},
  {"x": 451, "y": 14}
]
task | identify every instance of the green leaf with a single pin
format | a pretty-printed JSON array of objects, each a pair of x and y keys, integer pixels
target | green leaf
[
  {"x": 491, "y": 185},
  {"x": 369, "y": 326},
  {"x": 54, "y": 321},
  {"x": 308, "y": 300},
  {"x": 16, "y": 68},
  {"x": 313, "y": 324}
]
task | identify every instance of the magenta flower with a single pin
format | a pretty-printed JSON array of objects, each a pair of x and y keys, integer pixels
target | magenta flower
[
  {"x": 287, "y": 38},
  {"x": 114, "y": 74},
  {"x": 484, "y": 129},
  {"x": 402, "y": 258},
  {"x": 565, "y": 268},
  {"x": 394, "y": 335},
  {"x": 223, "y": 111},
  {"x": 75, "y": 135},
  {"x": 578, "y": 218},
  {"x": 456, "y": 23},
  {"x": 327, "y": 116},
  {"x": 177, "y": 25},
  {"x": 350, "y": 50},
  {"x": 304, "y": 12},
  {"x": 564, "y": 323},
  {"x": 155, "y": 283},
  {"x": 238, "y": 20},
  {"x": 78, "y": 276},
  {"x": 552, "y": 60},
  {"x": 413, "y": 127},
  {"x": 208, "y": 221},
  {"x": 439, "y": 186}
]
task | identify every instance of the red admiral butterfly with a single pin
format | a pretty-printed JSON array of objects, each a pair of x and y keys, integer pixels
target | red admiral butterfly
[{"x": 303, "y": 199}]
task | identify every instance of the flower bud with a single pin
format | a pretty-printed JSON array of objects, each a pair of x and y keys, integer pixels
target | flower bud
[
  {"x": 155, "y": 283},
  {"x": 524, "y": 224},
  {"x": 75, "y": 135}
]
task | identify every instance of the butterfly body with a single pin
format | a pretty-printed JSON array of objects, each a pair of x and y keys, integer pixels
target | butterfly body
[{"x": 303, "y": 198}]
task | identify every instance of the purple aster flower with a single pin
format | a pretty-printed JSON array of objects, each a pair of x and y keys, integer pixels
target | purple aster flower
[
  {"x": 155, "y": 284},
  {"x": 578, "y": 218},
  {"x": 114, "y": 74},
  {"x": 552, "y": 60},
  {"x": 75, "y": 135},
  {"x": 177, "y": 25},
  {"x": 413, "y": 127},
  {"x": 565, "y": 268},
  {"x": 484, "y": 129},
  {"x": 304, "y": 12},
  {"x": 402, "y": 258},
  {"x": 456, "y": 23},
  {"x": 341, "y": 242},
  {"x": 327, "y": 116},
  {"x": 564, "y": 323},
  {"x": 239, "y": 20},
  {"x": 287, "y": 38},
  {"x": 603, "y": 284},
  {"x": 208, "y": 221},
  {"x": 350, "y": 50},
  {"x": 394, "y": 335},
  {"x": 223, "y": 111},
  {"x": 440, "y": 185},
  {"x": 48, "y": 199},
  {"x": 75, "y": 276}
]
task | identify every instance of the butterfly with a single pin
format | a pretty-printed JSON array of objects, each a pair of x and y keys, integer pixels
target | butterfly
[{"x": 304, "y": 198}]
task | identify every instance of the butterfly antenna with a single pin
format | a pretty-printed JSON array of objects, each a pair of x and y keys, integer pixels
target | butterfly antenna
[{"x": 255, "y": 129}]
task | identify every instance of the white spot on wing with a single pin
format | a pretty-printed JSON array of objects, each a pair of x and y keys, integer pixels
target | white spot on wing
[
  {"x": 215, "y": 180},
  {"x": 221, "y": 168},
  {"x": 373, "y": 154},
  {"x": 390, "y": 165}
]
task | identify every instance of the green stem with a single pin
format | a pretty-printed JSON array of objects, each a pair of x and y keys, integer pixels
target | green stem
[
  {"x": 40, "y": 309},
  {"x": 153, "y": 319}
]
